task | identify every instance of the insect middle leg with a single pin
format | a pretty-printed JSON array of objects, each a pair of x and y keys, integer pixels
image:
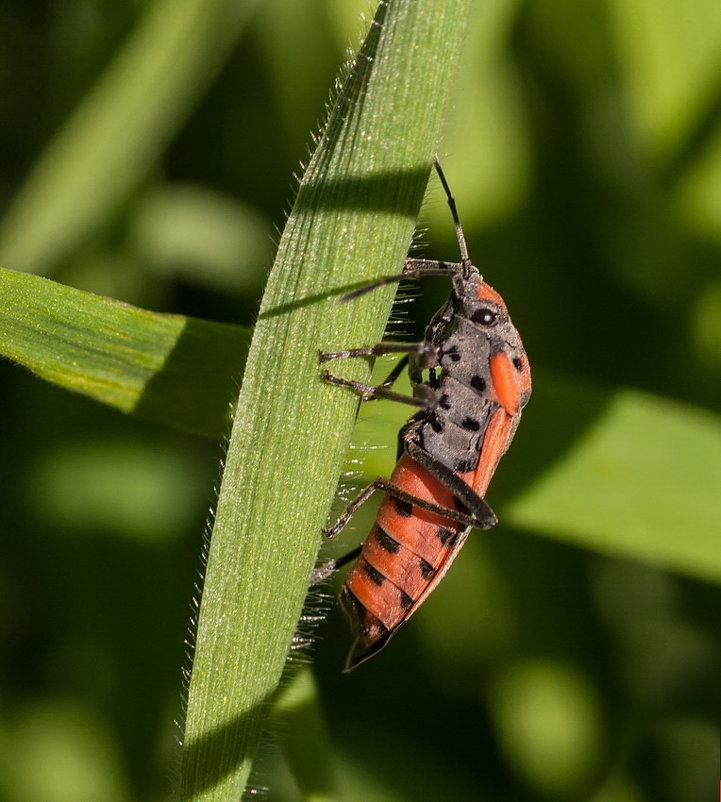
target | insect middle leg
[{"x": 417, "y": 357}]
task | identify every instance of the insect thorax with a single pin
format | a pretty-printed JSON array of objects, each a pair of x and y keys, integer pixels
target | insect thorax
[{"x": 453, "y": 432}]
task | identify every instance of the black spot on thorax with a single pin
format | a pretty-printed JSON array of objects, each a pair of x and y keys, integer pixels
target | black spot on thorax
[
  {"x": 452, "y": 353},
  {"x": 466, "y": 464}
]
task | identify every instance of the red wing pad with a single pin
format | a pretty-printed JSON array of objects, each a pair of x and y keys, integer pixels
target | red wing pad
[
  {"x": 495, "y": 443},
  {"x": 506, "y": 383}
]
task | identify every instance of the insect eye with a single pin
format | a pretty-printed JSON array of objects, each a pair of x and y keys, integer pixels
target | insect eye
[{"x": 484, "y": 316}]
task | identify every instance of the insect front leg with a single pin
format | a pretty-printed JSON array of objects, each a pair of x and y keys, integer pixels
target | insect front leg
[
  {"x": 416, "y": 268},
  {"x": 412, "y": 268},
  {"x": 423, "y": 351}
]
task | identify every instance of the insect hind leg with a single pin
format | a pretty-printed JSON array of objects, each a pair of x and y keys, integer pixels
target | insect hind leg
[
  {"x": 322, "y": 572},
  {"x": 483, "y": 515},
  {"x": 383, "y": 484}
]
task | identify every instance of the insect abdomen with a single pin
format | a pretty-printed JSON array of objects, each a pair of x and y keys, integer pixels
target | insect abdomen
[{"x": 405, "y": 555}]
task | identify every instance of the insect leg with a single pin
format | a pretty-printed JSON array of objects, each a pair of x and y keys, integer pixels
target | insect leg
[
  {"x": 426, "y": 398},
  {"x": 324, "y": 571},
  {"x": 396, "y": 492},
  {"x": 422, "y": 355},
  {"x": 391, "y": 378},
  {"x": 423, "y": 350},
  {"x": 414, "y": 268},
  {"x": 483, "y": 516}
]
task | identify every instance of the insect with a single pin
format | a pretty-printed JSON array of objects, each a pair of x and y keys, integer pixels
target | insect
[{"x": 478, "y": 381}]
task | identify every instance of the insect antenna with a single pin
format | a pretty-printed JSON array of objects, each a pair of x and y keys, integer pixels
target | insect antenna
[
  {"x": 417, "y": 268},
  {"x": 465, "y": 259}
]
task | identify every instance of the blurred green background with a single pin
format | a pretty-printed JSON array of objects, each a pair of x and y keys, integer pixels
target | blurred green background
[{"x": 585, "y": 155}]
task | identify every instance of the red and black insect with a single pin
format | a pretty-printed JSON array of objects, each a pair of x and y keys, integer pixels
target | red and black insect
[{"x": 478, "y": 381}]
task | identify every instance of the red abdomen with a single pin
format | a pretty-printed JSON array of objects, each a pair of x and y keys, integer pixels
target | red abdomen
[{"x": 404, "y": 557}]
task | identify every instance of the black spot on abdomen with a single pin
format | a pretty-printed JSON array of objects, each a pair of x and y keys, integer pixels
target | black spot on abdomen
[
  {"x": 426, "y": 568},
  {"x": 375, "y": 576},
  {"x": 444, "y": 534},
  {"x": 405, "y": 599},
  {"x": 386, "y": 542},
  {"x": 404, "y": 508}
]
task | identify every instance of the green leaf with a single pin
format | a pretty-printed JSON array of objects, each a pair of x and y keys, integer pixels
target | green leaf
[
  {"x": 641, "y": 480},
  {"x": 120, "y": 129},
  {"x": 668, "y": 59},
  {"x": 172, "y": 369},
  {"x": 352, "y": 221}
]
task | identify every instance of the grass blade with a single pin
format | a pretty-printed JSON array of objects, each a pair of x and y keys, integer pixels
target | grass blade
[
  {"x": 302, "y": 737},
  {"x": 171, "y": 369},
  {"x": 352, "y": 221}
]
